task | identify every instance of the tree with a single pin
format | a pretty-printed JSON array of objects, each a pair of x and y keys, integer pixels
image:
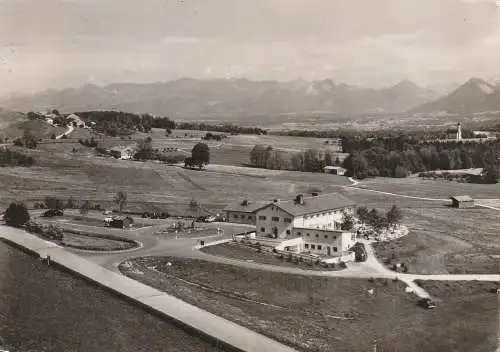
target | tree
[
  {"x": 121, "y": 199},
  {"x": 362, "y": 213},
  {"x": 200, "y": 154},
  {"x": 347, "y": 222},
  {"x": 71, "y": 203},
  {"x": 84, "y": 209},
  {"x": 53, "y": 136},
  {"x": 144, "y": 149},
  {"x": 168, "y": 132},
  {"x": 16, "y": 215},
  {"x": 491, "y": 175},
  {"x": 394, "y": 216},
  {"x": 54, "y": 203}
]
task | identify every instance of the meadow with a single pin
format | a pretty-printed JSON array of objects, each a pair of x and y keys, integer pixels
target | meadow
[{"x": 325, "y": 314}]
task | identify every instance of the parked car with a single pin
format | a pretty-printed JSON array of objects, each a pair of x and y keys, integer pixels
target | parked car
[
  {"x": 427, "y": 303},
  {"x": 52, "y": 212},
  {"x": 107, "y": 212}
]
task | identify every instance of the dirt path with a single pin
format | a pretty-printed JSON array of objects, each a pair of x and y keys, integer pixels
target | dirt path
[{"x": 69, "y": 130}]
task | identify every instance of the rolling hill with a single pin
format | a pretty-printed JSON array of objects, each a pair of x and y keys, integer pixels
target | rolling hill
[
  {"x": 191, "y": 98},
  {"x": 473, "y": 96}
]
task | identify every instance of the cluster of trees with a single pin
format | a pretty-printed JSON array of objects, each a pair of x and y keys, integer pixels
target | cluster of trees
[
  {"x": 16, "y": 214},
  {"x": 27, "y": 141},
  {"x": 379, "y": 220},
  {"x": 88, "y": 142},
  {"x": 311, "y": 160},
  {"x": 200, "y": 156},
  {"x": 227, "y": 128},
  {"x": 400, "y": 160},
  {"x": 489, "y": 176},
  {"x": 119, "y": 123},
  {"x": 14, "y": 158},
  {"x": 213, "y": 136}
]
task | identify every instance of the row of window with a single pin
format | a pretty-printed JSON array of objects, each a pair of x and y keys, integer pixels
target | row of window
[
  {"x": 318, "y": 215},
  {"x": 250, "y": 217},
  {"x": 275, "y": 218},
  {"x": 263, "y": 229},
  {"x": 317, "y": 235},
  {"x": 319, "y": 247}
]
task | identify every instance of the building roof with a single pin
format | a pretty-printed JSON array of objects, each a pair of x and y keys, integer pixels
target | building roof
[
  {"x": 250, "y": 208},
  {"x": 462, "y": 198},
  {"x": 316, "y": 204},
  {"x": 333, "y": 168}
]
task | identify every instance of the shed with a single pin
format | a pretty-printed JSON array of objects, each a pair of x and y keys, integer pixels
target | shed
[
  {"x": 462, "y": 202},
  {"x": 121, "y": 222},
  {"x": 335, "y": 170}
]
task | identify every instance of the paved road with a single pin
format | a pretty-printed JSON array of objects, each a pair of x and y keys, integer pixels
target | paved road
[
  {"x": 201, "y": 320},
  {"x": 68, "y": 131}
]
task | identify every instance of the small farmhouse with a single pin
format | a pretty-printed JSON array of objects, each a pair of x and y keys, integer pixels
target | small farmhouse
[
  {"x": 462, "y": 202},
  {"x": 120, "y": 222},
  {"x": 122, "y": 153}
]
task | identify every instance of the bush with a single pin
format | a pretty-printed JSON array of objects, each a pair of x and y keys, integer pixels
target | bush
[
  {"x": 16, "y": 215},
  {"x": 53, "y": 136},
  {"x": 14, "y": 158},
  {"x": 343, "y": 265}
]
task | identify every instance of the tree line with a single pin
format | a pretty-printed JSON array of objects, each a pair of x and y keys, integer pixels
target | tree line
[
  {"x": 397, "y": 159},
  {"x": 310, "y": 160},
  {"x": 226, "y": 128}
]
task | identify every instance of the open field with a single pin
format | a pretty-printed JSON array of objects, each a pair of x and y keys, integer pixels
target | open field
[
  {"x": 325, "y": 314},
  {"x": 241, "y": 252},
  {"x": 447, "y": 240},
  {"x": 95, "y": 243},
  {"x": 415, "y": 186},
  {"x": 168, "y": 187},
  {"x": 39, "y": 129},
  {"x": 233, "y": 150}
]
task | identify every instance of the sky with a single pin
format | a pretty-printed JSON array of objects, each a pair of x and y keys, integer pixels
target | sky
[{"x": 52, "y": 44}]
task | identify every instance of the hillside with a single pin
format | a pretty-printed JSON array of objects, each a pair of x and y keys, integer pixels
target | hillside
[
  {"x": 190, "y": 98},
  {"x": 8, "y": 117},
  {"x": 473, "y": 96}
]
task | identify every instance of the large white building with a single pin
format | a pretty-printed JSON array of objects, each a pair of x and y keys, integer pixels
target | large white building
[{"x": 280, "y": 218}]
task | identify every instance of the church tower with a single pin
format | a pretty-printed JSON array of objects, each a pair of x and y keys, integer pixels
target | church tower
[{"x": 459, "y": 132}]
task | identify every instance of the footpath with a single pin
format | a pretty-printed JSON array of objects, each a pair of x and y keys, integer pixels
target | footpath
[{"x": 221, "y": 331}]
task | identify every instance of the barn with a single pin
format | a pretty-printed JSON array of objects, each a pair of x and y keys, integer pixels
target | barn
[{"x": 462, "y": 202}]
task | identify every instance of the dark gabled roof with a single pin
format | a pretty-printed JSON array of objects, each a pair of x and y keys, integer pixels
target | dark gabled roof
[
  {"x": 250, "y": 208},
  {"x": 316, "y": 204},
  {"x": 462, "y": 198}
]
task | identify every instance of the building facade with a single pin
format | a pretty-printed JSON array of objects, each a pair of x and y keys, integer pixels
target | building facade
[
  {"x": 243, "y": 212},
  {"x": 326, "y": 243},
  {"x": 324, "y": 212}
]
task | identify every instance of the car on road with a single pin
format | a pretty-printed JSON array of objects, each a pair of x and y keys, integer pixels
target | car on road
[
  {"x": 52, "y": 212},
  {"x": 427, "y": 303}
]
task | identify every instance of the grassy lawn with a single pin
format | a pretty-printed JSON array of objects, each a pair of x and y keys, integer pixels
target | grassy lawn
[
  {"x": 415, "y": 186},
  {"x": 445, "y": 240},
  {"x": 148, "y": 184},
  {"x": 241, "y": 252},
  {"x": 325, "y": 314},
  {"x": 96, "y": 243}
]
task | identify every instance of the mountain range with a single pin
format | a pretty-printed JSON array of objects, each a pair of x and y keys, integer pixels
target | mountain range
[
  {"x": 186, "y": 98},
  {"x": 192, "y": 98},
  {"x": 474, "y": 96}
]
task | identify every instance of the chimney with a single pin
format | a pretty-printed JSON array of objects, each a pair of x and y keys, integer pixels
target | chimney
[{"x": 299, "y": 199}]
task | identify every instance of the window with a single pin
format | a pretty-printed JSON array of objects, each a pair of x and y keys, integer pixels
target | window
[
  {"x": 313, "y": 246},
  {"x": 306, "y": 246},
  {"x": 262, "y": 217},
  {"x": 319, "y": 247},
  {"x": 299, "y": 233},
  {"x": 317, "y": 235},
  {"x": 335, "y": 249},
  {"x": 326, "y": 236},
  {"x": 235, "y": 216},
  {"x": 262, "y": 229},
  {"x": 250, "y": 217},
  {"x": 287, "y": 220},
  {"x": 334, "y": 237},
  {"x": 307, "y": 234},
  {"x": 287, "y": 232},
  {"x": 274, "y": 218}
]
